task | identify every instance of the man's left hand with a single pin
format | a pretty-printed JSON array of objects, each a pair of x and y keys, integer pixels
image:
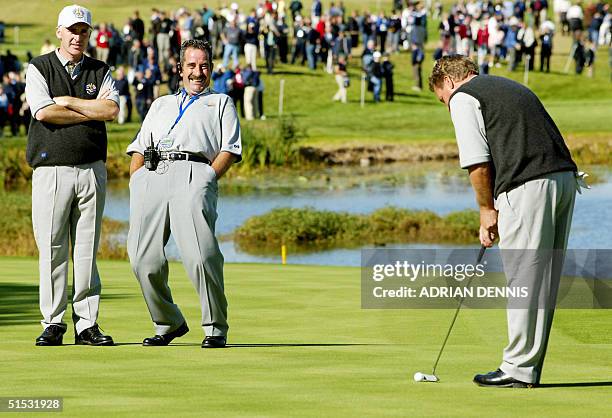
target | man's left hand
[{"x": 63, "y": 101}]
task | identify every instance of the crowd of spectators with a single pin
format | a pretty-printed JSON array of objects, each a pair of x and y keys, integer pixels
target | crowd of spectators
[
  {"x": 508, "y": 32},
  {"x": 14, "y": 110},
  {"x": 144, "y": 51}
]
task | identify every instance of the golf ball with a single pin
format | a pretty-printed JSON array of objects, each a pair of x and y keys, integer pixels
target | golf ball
[{"x": 418, "y": 376}]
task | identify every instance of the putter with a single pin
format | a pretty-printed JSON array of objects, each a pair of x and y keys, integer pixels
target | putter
[{"x": 422, "y": 377}]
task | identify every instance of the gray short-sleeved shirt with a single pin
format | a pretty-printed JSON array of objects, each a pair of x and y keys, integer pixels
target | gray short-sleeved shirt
[
  {"x": 208, "y": 126},
  {"x": 37, "y": 90},
  {"x": 470, "y": 131}
]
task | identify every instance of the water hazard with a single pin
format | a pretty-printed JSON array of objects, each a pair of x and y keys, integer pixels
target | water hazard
[{"x": 438, "y": 187}]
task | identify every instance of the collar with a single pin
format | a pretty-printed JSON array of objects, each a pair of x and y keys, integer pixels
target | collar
[
  {"x": 208, "y": 90},
  {"x": 65, "y": 61}
]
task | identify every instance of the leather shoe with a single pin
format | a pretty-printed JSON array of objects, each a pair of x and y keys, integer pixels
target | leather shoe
[
  {"x": 499, "y": 379},
  {"x": 52, "y": 335},
  {"x": 93, "y": 336},
  {"x": 214, "y": 342},
  {"x": 161, "y": 340}
]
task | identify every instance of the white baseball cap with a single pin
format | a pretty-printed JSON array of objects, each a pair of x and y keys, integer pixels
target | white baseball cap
[{"x": 74, "y": 14}]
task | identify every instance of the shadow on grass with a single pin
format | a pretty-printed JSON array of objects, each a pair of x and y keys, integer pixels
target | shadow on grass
[
  {"x": 573, "y": 385},
  {"x": 299, "y": 345},
  {"x": 273, "y": 345},
  {"x": 267, "y": 345},
  {"x": 18, "y": 304}
]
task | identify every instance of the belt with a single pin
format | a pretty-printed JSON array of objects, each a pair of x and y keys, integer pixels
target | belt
[{"x": 183, "y": 156}]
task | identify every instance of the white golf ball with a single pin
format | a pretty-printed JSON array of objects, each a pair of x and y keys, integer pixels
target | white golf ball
[{"x": 418, "y": 376}]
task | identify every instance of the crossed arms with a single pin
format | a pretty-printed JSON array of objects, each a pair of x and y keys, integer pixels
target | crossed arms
[{"x": 70, "y": 110}]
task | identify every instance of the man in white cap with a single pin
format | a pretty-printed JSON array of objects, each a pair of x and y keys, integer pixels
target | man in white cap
[{"x": 71, "y": 96}]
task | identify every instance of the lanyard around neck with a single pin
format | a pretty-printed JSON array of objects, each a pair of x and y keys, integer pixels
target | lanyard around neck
[{"x": 183, "y": 110}]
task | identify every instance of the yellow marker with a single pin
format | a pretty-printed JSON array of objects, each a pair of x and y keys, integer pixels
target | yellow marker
[{"x": 284, "y": 254}]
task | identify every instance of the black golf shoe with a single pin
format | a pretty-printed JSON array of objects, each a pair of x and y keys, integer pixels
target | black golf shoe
[
  {"x": 52, "y": 335},
  {"x": 93, "y": 336},
  {"x": 499, "y": 379},
  {"x": 214, "y": 342},
  {"x": 161, "y": 340}
]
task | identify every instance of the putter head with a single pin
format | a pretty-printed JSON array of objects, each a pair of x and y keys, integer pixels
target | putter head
[{"x": 422, "y": 377}]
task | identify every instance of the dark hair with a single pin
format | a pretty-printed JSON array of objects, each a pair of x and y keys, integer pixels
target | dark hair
[
  {"x": 197, "y": 44},
  {"x": 457, "y": 67}
]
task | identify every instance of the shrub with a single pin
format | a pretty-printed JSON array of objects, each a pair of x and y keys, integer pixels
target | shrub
[
  {"x": 271, "y": 145},
  {"x": 307, "y": 229}
]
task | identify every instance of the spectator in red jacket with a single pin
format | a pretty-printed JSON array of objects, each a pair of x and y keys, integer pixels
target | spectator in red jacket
[{"x": 103, "y": 43}]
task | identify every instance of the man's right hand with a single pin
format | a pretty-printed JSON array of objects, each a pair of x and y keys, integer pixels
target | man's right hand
[
  {"x": 136, "y": 163},
  {"x": 488, "y": 227}
]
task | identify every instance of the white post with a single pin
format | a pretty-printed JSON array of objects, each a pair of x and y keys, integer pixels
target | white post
[
  {"x": 363, "y": 87},
  {"x": 526, "y": 76},
  {"x": 281, "y": 95},
  {"x": 16, "y": 35}
]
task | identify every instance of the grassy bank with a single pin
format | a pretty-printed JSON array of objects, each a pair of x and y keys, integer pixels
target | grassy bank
[
  {"x": 299, "y": 346},
  {"x": 304, "y": 229},
  {"x": 17, "y": 238}
]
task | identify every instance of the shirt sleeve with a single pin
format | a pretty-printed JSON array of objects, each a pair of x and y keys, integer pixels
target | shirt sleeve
[
  {"x": 470, "y": 131},
  {"x": 231, "y": 139},
  {"x": 37, "y": 90},
  {"x": 109, "y": 83}
]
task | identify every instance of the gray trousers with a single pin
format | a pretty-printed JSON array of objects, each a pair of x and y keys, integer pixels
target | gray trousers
[
  {"x": 534, "y": 216},
  {"x": 67, "y": 207},
  {"x": 182, "y": 200}
]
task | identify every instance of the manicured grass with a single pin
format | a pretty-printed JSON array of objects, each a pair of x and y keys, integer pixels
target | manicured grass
[
  {"x": 579, "y": 105},
  {"x": 300, "y": 346}
]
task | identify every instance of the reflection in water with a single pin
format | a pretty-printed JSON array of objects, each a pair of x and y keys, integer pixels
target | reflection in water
[{"x": 439, "y": 187}]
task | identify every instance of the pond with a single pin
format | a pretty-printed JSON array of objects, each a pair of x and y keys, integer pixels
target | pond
[{"x": 438, "y": 187}]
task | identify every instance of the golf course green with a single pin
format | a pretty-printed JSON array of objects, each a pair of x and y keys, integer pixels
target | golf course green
[{"x": 299, "y": 345}]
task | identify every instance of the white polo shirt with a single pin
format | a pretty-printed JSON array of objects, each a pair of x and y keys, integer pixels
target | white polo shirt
[
  {"x": 207, "y": 127},
  {"x": 470, "y": 130}
]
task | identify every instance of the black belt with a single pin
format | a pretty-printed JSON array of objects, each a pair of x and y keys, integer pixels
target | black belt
[{"x": 183, "y": 156}]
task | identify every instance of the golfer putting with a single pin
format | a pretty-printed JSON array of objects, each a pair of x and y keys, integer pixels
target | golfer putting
[{"x": 525, "y": 183}]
